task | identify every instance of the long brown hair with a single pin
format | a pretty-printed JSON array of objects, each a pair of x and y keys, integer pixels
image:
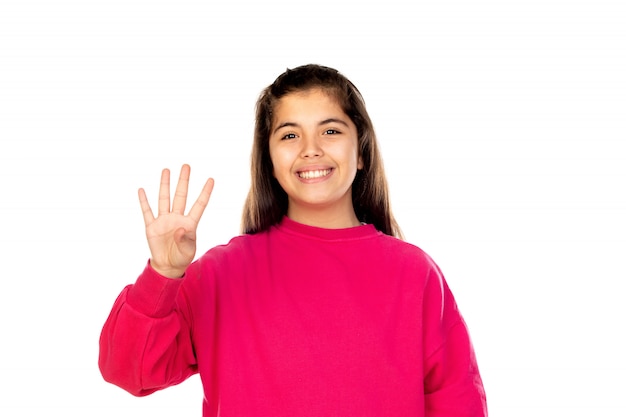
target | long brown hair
[{"x": 266, "y": 203}]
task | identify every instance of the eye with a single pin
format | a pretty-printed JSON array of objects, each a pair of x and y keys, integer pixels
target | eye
[
  {"x": 331, "y": 132},
  {"x": 289, "y": 136}
]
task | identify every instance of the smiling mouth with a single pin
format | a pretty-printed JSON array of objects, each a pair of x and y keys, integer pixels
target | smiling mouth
[{"x": 319, "y": 173}]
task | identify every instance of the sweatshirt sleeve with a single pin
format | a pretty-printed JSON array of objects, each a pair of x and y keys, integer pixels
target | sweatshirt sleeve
[
  {"x": 145, "y": 343},
  {"x": 452, "y": 382}
]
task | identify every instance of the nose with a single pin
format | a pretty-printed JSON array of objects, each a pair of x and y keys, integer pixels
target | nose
[{"x": 311, "y": 147}]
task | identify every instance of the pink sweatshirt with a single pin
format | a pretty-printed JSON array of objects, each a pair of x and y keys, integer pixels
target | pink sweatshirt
[{"x": 300, "y": 321}]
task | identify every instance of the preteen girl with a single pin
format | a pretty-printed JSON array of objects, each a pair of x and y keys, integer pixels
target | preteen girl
[{"x": 319, "y": 308}]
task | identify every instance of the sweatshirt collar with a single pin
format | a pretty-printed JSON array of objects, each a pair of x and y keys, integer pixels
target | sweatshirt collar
[{"x": 351, "y": 233}]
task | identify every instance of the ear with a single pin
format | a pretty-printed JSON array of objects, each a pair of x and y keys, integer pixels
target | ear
[{"x": 360, "y": 163}]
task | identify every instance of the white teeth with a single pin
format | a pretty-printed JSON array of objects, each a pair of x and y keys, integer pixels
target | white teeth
[{"x": 307, "y": 175}]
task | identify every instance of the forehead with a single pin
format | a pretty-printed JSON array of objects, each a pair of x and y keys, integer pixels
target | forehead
[{"x": 307, "y": 103}]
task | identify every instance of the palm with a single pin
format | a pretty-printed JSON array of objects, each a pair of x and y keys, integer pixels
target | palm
[{"x": 172, "y": 234}]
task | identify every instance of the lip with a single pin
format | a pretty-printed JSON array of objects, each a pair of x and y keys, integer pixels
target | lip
[{"x": 314, "y": 169}]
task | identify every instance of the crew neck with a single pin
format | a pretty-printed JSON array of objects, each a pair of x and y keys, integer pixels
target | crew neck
[{"x": 288, "y": 225}]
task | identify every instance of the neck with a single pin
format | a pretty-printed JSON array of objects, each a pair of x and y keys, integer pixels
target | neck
[{"x": 327, "y": 218}]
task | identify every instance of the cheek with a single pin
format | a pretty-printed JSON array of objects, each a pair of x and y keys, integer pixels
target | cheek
[
  {"x": 358, "y": 159},
  {"x": 277, "y": 159}
]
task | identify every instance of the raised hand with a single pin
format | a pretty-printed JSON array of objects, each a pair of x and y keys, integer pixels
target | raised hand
[{"x": 172, "y": 234}]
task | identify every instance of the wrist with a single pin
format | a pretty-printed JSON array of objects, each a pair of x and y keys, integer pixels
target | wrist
[{"x": 172, "y": 273}]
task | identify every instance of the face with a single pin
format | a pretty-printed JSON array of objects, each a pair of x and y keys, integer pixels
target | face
[{"x": 314, "y": 149}]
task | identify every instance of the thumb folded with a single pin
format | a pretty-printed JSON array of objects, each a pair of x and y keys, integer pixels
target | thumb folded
[{"x": 181, "y": 235}]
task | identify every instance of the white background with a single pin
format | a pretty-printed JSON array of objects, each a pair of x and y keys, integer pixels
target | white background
[{"x": 502, "y": 126}]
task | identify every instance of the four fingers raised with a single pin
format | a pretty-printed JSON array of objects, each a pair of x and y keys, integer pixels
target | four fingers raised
[{"x": 180, "y": 197}]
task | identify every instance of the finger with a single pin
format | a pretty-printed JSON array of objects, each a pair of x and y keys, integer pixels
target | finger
[
  {"x": 203, "y": 200},
  {"x": 164, "y": 192},
  {"x": 148, "y": 217},
  {"x": 180, "y": 195}
]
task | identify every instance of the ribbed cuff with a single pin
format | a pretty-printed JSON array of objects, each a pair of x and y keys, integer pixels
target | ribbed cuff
[{"x": 154, "y": 294}]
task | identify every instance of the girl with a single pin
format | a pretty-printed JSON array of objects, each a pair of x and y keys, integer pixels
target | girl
[{"x": 318, "y": 308}]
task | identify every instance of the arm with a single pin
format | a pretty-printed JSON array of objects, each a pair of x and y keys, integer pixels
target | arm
[
  {"x": 452, "y": 382},
  {"x": 145, "y": 344}
]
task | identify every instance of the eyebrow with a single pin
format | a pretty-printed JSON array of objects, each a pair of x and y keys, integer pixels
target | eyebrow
[{"x": 323, "y": 122}]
